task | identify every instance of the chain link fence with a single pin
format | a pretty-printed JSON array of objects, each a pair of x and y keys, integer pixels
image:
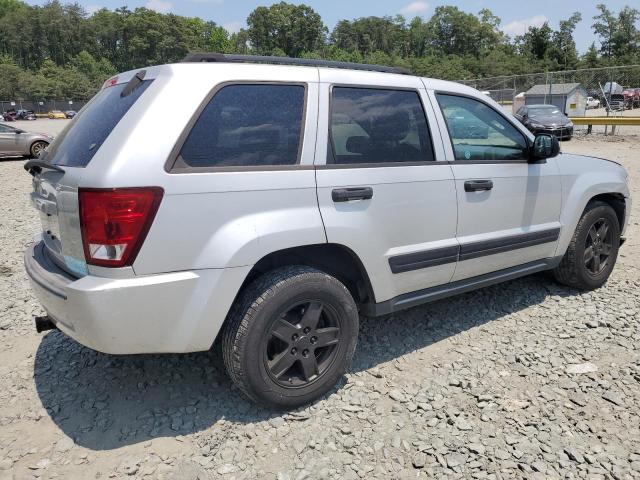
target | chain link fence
[
  {"x": 614, "y": 90},
  {"x": 41, "y": 107}
]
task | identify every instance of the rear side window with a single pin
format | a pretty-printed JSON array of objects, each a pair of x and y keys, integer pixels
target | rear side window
[
  {"x": 79, "y": 142},
  {"x": 378, "y": 126},
  {"x": 251, "y": 125}
]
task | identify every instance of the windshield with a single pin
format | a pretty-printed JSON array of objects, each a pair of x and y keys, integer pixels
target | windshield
[
  {"x": 79, "y": 142},
  {"x": 544, "y": 110}
]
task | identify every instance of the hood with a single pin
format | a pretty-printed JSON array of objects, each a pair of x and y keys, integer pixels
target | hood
[
  {"x": 580, "y": 158},
  {"x": 549, "y": 119}
]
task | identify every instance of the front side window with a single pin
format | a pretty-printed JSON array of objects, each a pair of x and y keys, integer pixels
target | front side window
[
  {"x": 247, "y": 126},
  {"x": 6, "y": 129},
  {"x": 478, "y": 132},
  {"x": 377, "y": 126}
]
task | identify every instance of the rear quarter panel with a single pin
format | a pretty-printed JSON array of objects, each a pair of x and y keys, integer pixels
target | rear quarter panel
[{"x": 209, "y": 219}]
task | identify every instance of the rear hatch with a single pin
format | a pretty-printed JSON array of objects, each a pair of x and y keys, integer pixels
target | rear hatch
[{"x": 55, "y": 192}]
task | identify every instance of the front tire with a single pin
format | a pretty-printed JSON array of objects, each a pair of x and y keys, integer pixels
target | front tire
[
  {"x": 290, "y": 336},
  {"x": 593, "y": 250},
  {"x": 37, "y": 148}
]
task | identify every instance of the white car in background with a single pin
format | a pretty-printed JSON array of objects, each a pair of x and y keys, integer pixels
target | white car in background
[
  {"x": 593, "y": 103},
  {"x": 281, "y": 202}
]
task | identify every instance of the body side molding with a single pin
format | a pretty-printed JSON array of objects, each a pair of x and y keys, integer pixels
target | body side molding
[{"x": 440, "y": 256}]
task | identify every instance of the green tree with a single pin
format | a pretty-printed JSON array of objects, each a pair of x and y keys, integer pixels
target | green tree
[
  {"x": 291, "y": 28},
  {"x": 372, "y": 34},
  {"x": 626, "y": 39},
  {"x": 537, "y": 41},
  {"x": 14, "y": 81},
  {"x": 590, "y": 58},
  {"x": 563, "y": 49},
  {"x": 453, "y": 32},
  {"x": 605, "y": 27}
]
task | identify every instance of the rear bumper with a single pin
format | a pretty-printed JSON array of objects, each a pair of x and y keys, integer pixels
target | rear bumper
[{"x": 171, "y": 312}]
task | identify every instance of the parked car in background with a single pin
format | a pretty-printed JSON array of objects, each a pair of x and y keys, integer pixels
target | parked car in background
[
  {"x": 637, "y": 97},
  {"x": 57, "y": 114},
  {"x": 630, "y": 98},
  {"x": 280, "y": 202},
  {"x": 9, "y": 116},
  {"x": 593, "y": 102},
  {"x": 462, "y": 124},
  {"x": 25, "y": 115},
  {"x": 617, "y": 102},
  {"x": 546, "y": 119},
  {"x": 70, "y": 113},
  {"x": 16, "y": 142}
]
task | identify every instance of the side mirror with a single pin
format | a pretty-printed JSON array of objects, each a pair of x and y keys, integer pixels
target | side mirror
[
  {"x": 19, "y": 131},
  {"x": 545, "y": 146}
]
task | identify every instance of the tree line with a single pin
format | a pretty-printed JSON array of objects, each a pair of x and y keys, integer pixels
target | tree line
[{"x": 58, "y": 50}]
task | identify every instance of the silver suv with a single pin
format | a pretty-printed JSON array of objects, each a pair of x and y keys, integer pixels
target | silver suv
[{"x": 283, "y": 201}]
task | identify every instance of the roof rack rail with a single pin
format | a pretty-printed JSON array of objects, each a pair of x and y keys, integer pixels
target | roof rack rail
[{"x": 306, "y": 62}]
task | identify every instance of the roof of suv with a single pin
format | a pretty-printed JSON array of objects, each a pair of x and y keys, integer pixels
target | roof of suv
[
  {"x": 285, "y": 66},
  {"x": 368, "y": 71},
  {"x": 306, "y": 62}
]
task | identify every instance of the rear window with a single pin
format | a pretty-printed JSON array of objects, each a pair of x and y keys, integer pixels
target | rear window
[
  {"x": 247, "y": 125},
  {"x": 79, "y": 142}
]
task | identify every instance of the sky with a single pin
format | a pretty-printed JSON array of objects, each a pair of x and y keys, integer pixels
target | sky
[{"x": 516, "y": 15}]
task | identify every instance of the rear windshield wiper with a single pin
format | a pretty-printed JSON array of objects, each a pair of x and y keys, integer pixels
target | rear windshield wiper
[
  {"x": 134, "y": 83},
  {"x": 35, "y": 166}
]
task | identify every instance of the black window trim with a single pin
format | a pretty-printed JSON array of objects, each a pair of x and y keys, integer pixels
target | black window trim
[
  {"x": 169, "y": 165},
  {"x": 455, "y": 161},
  {"x": 330, "y": 145}
]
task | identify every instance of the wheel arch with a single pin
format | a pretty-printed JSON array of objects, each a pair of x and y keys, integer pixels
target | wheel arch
[
  {"x": 617, "y": 201},
  {"x": 335, "y": 259},
  {"x": 576, "y": 207}
]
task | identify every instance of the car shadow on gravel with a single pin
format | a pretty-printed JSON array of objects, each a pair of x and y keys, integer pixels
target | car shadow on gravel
[{"x": 105, "y": 402}]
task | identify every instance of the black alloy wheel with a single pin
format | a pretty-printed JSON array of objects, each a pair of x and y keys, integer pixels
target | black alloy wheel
[
  {"x": 598, "y": 246},
  {"x": 290, "y": 336},
  {"x": 302, "y": 344}
]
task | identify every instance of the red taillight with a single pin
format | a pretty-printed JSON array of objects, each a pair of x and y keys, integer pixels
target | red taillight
[{"x": 115, "y": 222}]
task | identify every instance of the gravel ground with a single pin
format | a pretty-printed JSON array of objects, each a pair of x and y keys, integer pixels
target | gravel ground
[{"x": 528, "y": 379}]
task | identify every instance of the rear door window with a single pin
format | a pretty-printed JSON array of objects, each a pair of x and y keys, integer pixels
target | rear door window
[
  {"x": 79, "y": 142},
  {"x": 376, "y": 126},
  {"x": 247, "y": 125}
]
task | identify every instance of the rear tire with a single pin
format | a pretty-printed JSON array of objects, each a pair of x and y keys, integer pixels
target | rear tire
[
  {"x": 290, "y": 336},
  {"x": 37, "y": 148},
  {"x": 593, "y": 250}
]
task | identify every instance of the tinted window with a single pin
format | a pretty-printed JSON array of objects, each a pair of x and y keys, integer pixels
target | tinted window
[
  {"x": 247, "y": 125},
  {"x": 79, "y": 142},
  {"x": 478, "y": 132},
  {"x": 378, "y": 126},
  {"x": 5, "y": 129}
]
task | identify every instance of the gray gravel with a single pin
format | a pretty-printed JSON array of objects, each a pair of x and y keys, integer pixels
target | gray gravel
[{"x": 523, "y": 380}]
